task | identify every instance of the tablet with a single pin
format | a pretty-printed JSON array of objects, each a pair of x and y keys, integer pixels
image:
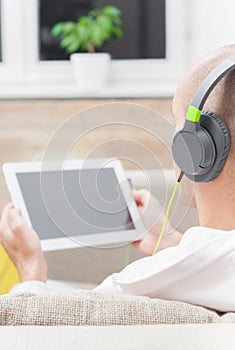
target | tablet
[{"x": 79, "y": 203}]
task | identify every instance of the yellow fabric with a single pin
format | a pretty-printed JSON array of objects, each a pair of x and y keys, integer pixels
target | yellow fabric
[{"x": 8, "y": 272}]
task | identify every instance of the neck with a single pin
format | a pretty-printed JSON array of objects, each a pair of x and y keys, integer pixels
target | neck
[{"x": 216, "y": 205}]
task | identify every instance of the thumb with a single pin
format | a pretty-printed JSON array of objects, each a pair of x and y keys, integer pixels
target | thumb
[
  {"x": 15, "y": 219},
  {"x": 141, "y": 197}
]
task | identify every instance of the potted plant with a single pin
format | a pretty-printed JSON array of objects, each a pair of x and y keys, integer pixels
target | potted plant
[{"x": 81, "y": 39}]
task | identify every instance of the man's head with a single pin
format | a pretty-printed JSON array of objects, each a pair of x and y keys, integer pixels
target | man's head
[{"x": 221, "y": 101}]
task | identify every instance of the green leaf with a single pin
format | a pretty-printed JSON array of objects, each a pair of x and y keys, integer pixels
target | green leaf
[
  {"x": 63, "y": 28},
  {"x": 118, "y": 32},
  {"x": 84, "y": 34},
  {"x": 90, "y": 32},
  {"x": 73, "y": 47},
  {"x": 112, "y": 11},
  {"x": 98, "y": 37},
  {"x": 67, "y": 41},
  {"x": 57, "y": 29},
  {"x": 118, "y": 21},
  {"x": 94, "y": 13},
  {"x": 105, "y": 24},
  {"x": 84, "y": 46},
  {"x": 85, "y": 20},
  {"x": 68, "y": 27}
]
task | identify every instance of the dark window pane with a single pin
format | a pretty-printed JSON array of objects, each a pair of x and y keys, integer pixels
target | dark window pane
[{"x": 144, "y": 27}]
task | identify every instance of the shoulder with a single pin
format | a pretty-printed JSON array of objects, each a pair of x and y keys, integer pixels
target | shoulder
[{"x": 199, "y": 247}]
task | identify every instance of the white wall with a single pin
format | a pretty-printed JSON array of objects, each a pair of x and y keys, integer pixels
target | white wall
[{"x": 211, "y": 24}]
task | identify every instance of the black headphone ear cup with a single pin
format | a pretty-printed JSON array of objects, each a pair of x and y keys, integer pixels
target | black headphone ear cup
[{"x": 221, "y": 138}]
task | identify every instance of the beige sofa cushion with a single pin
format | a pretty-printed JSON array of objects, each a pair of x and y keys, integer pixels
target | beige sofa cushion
[{"x": 93, "y": 308}]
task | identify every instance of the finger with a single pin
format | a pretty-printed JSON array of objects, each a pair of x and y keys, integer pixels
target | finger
[
  {"x": 8, "y": 207},
  {"x": 4, "y": 226},
  {"x": 142, "y": 197},
  {"x": 136, "y": 244},
  {"x": 15, "y": 220},
  {"x": 14, "y": 213},
  {"x": 18, "y": 211},
  {"x": 136, "y": 196},
  {"x": 144, "y": 248},
  {"x": 19, "y": 226},
  {"x": 139, "y": 246},
  {"x": 5, "y": 212}
]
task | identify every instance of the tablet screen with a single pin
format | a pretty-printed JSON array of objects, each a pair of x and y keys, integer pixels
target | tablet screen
[{"x": 74, "y": 202}]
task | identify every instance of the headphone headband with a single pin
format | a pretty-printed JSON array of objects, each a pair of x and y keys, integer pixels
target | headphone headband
[
  {"x": 208, "y": 84},
  {"x": 201, "y": 148}
]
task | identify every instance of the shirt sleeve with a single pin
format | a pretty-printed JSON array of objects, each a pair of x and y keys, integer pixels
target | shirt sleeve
[
  {"x": 30, "y": 286},
  {"x": 109, "y": 285},
  {"x": 200, "y": 271}
]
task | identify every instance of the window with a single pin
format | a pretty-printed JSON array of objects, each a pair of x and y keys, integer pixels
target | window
[
  {"x": 147, "y": 62},
  {"x": 144, "y": 27}
]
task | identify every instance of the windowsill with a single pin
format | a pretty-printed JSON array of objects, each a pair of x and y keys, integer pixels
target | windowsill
[{"x": 138, "y": 89}]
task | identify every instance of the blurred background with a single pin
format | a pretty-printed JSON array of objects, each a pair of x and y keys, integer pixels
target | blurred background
[
  {"x": 161, "y": 38},
  {"x": 40, "y": 87}
]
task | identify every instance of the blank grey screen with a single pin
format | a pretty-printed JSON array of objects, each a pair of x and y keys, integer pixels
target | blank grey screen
[{"x": 74, "y": 202}]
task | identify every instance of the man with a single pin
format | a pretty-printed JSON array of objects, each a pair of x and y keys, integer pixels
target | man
[{"x": 197, "y": 267}]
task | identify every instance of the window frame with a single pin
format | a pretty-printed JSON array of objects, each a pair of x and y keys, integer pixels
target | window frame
[{"x": 127, "y": 78}]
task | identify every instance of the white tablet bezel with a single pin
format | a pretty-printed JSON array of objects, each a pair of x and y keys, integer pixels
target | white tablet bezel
[{"x": 105, "y": 239}]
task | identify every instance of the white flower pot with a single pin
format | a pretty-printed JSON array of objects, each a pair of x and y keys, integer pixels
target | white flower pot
[{"x": 90, "y": 70}]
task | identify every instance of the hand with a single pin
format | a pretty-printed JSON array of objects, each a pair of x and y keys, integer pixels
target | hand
[
  {"x": 22, "y": 245},
  {"x": 153, "y": 216}
]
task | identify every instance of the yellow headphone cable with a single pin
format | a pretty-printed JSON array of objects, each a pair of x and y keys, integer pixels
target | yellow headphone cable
[{"x": 164, "y": 222}]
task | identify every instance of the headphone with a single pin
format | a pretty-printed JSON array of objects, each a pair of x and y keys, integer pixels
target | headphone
[{"x": 201, "y": 147}]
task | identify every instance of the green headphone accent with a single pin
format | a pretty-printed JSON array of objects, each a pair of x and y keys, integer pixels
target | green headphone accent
[
  {"x": 193, "y": 114},
  {"x": 201, "y": 148}
]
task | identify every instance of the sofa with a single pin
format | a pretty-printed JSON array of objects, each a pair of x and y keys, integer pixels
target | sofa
[
  {"x": 90, "y": 308},
  {"x": 101, "y": 320},
  {"x": 104, "y": 321}
]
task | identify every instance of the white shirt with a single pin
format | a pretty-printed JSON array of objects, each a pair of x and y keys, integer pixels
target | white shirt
[{"x": 199, "y": 270}]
